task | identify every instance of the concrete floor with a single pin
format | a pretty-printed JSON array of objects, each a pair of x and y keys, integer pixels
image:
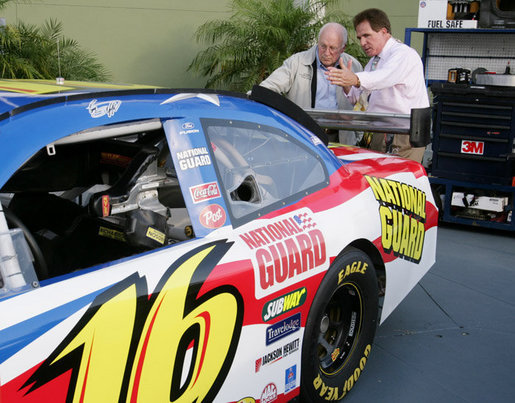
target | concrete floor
[{"x": 453, "y": 338}]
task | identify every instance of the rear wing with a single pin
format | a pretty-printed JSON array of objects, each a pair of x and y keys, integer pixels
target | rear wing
[{"x": 417, "y": 124}]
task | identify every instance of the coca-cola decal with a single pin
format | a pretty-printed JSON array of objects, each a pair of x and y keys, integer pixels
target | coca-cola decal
[
  {"x": 206, "y": 191},
  {"x": 212, "y": 216}
]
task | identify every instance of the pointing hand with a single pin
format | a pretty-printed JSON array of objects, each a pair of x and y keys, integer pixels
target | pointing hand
[{"x": 344, "y": 77}]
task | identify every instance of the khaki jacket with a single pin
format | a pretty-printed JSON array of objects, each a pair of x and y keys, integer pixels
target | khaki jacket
[{"x": 293, "y": 79}]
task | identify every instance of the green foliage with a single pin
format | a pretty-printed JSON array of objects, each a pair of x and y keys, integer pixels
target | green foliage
[
  {"x": 28, "y": 51},
  {"x": 3, "y": 3},
  {"x": 259, "y": 36}
]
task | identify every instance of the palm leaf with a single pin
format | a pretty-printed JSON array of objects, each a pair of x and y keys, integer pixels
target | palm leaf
[
  {"x": 245, "y": 48},
  {"x": 29, "y": 51}
]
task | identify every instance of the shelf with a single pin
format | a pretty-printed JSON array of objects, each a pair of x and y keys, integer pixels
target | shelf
[
  {"x": 451, "y": 185},
  {"x": 470, "y": 49}
]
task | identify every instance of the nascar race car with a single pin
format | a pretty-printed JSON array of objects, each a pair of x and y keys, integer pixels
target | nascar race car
[{"x": 194, "y": 246}]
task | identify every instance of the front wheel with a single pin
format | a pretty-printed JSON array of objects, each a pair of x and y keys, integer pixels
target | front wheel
[{"x": 340, "y": 328}]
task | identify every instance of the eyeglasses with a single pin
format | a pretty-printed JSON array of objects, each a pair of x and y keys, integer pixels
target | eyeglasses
[{"x": 332, "y": 49}]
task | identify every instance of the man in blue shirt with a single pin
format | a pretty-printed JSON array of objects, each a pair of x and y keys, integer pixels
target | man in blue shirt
[{"x": 302, "y": 78}]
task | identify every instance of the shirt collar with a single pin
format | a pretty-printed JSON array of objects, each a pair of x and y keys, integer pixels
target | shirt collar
[{"x": 387, "y": 46}]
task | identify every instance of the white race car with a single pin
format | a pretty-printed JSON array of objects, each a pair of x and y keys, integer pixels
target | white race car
[{"x": 163, "y": 246}]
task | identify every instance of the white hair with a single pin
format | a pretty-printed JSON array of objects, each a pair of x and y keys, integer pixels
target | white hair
[{"x": 336, "y": 27}]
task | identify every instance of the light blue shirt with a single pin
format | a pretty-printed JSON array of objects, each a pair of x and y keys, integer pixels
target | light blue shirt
[{"x": 326, "y": 92}]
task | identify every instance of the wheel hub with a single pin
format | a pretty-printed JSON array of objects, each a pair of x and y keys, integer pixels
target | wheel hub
[
  {"x": 324, "y": 324},
  {"x": 339, "y": 328}
]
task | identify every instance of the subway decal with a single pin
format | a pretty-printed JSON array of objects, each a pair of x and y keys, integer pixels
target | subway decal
[
  {"x": 177, "y": 344},
  {"x": 402, "y": 209}
]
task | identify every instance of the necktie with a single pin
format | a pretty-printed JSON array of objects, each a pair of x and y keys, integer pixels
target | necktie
[
  {"x": 374, "y": 63},
  {"x": 388, "y": 138},
  {"x": 375, "y": 60},
  {"x": 362, "y": 105}
]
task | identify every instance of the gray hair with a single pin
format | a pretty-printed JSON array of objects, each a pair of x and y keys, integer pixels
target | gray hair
[{"x": 336, "y": 27}]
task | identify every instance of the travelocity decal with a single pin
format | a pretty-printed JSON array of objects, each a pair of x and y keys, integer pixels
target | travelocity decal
[
  {"x": 285, "y": 250},
  {"x": 402, "y": 209}
]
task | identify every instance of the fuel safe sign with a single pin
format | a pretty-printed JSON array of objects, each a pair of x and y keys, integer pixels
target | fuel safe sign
[{"x": 433, "y": 14}]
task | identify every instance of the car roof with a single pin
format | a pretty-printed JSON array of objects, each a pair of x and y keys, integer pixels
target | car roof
[
  {"x": 15, "y": 93},
  {"x": 35, "y": 113}
]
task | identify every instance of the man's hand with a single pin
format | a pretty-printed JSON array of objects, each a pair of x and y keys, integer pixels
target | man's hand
[{"x": 344, "y": 77}]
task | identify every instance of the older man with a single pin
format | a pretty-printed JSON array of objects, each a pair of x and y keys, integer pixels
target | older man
[
  {"x": 302, "y": 78},
  {"x": 394, "y": 77}
]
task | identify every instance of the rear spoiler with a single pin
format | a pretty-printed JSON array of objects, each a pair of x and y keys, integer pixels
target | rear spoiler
[{"x": 417, "y": 125}]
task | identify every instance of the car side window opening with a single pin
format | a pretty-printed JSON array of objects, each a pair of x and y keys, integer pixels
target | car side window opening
[
  {"x": 260, "y": 166},
  {"x": 91, "y": 202}
]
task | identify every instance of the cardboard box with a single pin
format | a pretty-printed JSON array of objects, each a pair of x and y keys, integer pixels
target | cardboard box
[
  {"x": 433, "y": 14},
  {"x": 486, "y": 203}
]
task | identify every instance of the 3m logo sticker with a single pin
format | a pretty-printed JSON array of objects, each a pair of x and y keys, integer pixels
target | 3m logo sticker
[
  {"x": 176, "y": 346},
  {"x": 472, "y": 147}
]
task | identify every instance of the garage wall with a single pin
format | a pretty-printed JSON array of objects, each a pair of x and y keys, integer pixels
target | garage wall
[
  {"x": 152, "y": 41},
  {"x": 402, "y": 14}
]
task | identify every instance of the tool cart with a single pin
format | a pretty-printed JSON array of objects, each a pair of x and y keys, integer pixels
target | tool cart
[
  {"x": 473, "y": 164},
  {"x": 471, "y": 74}
]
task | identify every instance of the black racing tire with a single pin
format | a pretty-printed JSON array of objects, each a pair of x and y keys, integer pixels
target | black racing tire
[{"x": 340, "y": 328}]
